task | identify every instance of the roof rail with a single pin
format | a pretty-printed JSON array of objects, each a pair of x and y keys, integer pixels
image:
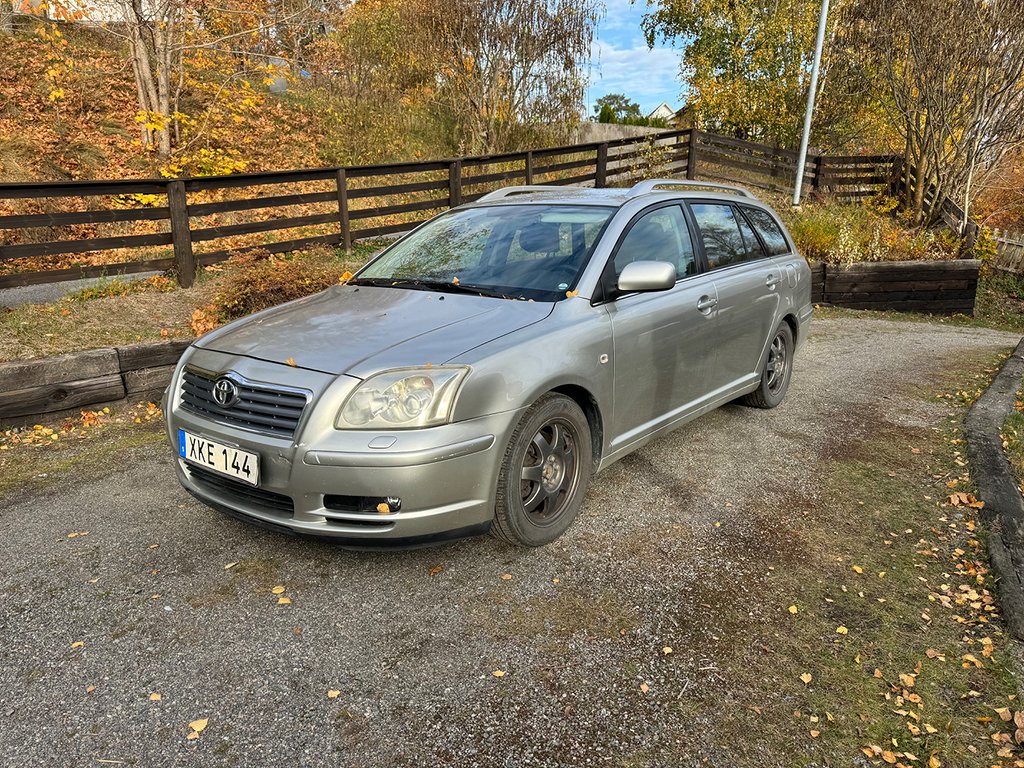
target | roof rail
[
  {"x": 650, "y": 185},
  {"x": 498, "y": 194}
]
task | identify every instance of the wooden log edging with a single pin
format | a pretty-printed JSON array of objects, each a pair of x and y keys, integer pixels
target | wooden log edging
[
  {"x": 64, "y": 384},
  {"x": 1003, "y": 513},
  {"x": 937, "y": 287}
]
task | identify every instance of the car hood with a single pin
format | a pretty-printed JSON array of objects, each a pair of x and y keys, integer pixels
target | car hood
[{"x": 359, "y": 330}]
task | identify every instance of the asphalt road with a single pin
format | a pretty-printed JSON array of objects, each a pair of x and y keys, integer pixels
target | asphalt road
[{"x": 657, "y": 559}]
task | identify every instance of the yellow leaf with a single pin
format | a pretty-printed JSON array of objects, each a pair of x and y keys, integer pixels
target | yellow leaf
[
  {"x": 889, "y": 757},
  {"x": 793, "y": 609},
  {"x": 78, "y": 644},
  {"x": 284, "y": 601},
  {"x": 498, "y": 673},
  {"x": 667, "y": 650},
  {"x": 455, "y": 281},
  {"x": 199, "y": 725},
  {"x": 291, "y": 362},
  {"x": 841, "y": 630},
  {"x": 1004, "y": 713},
  {"x": 933, "y": 762},
  {"x": 644, "y": 687},
  {"x": 278, "y": 590},
  {"x": 906, "y": 680},
  {"x": 383, "y": 508},
  {"x": 506, "y": 577},
  {"x": 90, "y": 688},
  {"x": 815, "y": 734},
  {"x": 570, "y": 294},
  {"x": 806, "y": 677},
  {"x": 857, "y": 569},
  {"x": 345, "y": 277},
  {"x": 333, "y": 694},
  {"x": 154, "y": 697}
]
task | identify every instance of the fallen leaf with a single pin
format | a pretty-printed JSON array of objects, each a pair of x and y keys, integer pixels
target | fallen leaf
[
  {"x": 498, "y": 673},
  {"x": 197, "y": 727},
  {"x": 793, "y": 609},
  {"x": 78, "y": 644},
  {"x": 284, "y": 601},
  {"x": 229, "y": 566},
  {"x": 90, "y": 688},
  {"x": 333, "y": 694},
  {"x": 888, "y": 756},
  {"x": 291, "y": 361},
  {"x": 934, "y": 762},
  {"x": 345, "y": 277},
  {"x": 857, "y": 569},
  {"x": 383, "y": 508},
  {"x": 666, "y": 650},
  {"x": 436, "y": 570},
  {"x": 806, "y": 677},
  {"x": 455, "y": 281},
  {"x": 155, "y": 697},
  {"x": 815, "y": 734},
  {"x": 644, "y": 687},
  {"x": 1004, "y": 713},
  {"x": 570, "y": 294},
  {"x": 278, "y": 590},
  {"x": 506, "y": 577},
  {"x": 841, "y": 630}
]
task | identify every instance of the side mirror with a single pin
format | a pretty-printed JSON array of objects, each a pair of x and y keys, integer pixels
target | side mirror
[{"x": 642, "y": 276}]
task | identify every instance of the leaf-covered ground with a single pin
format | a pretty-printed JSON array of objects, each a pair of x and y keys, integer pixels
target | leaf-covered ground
[{"x": 800, "y": 587}]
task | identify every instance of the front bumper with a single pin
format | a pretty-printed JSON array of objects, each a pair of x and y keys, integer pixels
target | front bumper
[{"x": 327, "y": 482}]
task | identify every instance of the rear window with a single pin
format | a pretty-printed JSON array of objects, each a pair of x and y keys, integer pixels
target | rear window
[{"x": 768, "y": 229}]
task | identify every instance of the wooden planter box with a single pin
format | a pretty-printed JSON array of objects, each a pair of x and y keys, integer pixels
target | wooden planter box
[{"x": 939, "y": 287}]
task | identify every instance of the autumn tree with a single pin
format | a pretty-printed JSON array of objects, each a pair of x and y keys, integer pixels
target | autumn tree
[
  {"x": 615, "y": 108},
  {"x": 951, "y": 73},
  {"x": 747, "y": 65},
  {"x": 513, "y": 70}
]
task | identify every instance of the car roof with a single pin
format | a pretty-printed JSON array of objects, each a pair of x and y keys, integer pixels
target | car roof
[{"x": 651, "y": 189}]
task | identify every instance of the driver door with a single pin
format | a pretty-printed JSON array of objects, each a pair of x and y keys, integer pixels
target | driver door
[{"x": 662, "y": 342}]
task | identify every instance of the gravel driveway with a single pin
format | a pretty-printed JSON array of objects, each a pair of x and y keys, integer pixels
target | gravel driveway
[{"x": 413, "y": 641}]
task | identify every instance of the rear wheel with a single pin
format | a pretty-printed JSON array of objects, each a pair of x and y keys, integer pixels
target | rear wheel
[
  {"x": 544, "y": 474},
  {"x": 778, "y": 369}
]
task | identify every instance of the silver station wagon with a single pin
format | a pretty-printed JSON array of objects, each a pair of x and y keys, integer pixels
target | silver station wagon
[{"x": 478, "y": 372}]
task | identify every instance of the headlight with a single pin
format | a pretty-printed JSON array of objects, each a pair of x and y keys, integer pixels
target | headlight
[{"x": 407, "y": 398}]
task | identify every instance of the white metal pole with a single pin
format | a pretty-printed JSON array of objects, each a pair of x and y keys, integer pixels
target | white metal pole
[{"x": 806, "y": 138}]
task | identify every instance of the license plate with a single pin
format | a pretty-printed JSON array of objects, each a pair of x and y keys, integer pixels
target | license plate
[{"x": 221, "y": 458}]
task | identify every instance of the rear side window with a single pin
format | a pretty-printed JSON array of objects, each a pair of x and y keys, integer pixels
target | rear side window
[
  {"x": 661, "y": 235},
  {"x": 769, "y": 230},
  {"x": 750, "y": 242},
  {"x": 720, "y": 234}
]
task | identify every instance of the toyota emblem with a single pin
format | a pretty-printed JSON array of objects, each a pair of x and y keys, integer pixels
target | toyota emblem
[{"x": 225, "y": 392}]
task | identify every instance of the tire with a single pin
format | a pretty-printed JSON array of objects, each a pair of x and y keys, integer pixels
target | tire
[
  {"x": 544, "y": 473},
  {"x": 778, "y": 370}
]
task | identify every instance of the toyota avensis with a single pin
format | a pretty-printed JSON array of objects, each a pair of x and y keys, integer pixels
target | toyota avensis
[{"x": 476, "y": 373}]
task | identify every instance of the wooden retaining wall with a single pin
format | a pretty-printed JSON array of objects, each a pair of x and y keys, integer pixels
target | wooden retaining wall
[
  {"x": 937, "y": 287},
  {"x": 63, "y": 385}
]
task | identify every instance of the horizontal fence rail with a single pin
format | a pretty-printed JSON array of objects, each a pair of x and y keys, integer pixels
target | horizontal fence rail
[{"x": 181, "y": 225}]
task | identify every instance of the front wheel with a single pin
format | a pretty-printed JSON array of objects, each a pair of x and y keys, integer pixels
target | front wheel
[
  {"x": 778, "y": 369},
  {"x": 544, "y": 474}
]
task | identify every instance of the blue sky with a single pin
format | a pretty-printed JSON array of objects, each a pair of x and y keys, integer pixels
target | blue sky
[{"x": 622, "y": 62}]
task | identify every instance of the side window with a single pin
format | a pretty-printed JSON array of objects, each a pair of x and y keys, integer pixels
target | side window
[
  {"x": 750, "y": 241},
  {"x": 720, "y": 233},
  {"x": 661, "y": 235},
  {"x": 768, "y": 229}
]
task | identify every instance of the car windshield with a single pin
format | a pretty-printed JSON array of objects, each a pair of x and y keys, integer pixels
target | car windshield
[{"x": 512, "y": 251}]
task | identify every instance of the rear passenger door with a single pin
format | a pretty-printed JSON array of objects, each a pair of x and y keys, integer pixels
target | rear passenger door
[{"x": 747, "y": 282}]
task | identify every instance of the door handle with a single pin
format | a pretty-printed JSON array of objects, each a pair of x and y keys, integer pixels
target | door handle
[
  {"x": 706, "y": 303},
  {"x": 772, "y": 280}
]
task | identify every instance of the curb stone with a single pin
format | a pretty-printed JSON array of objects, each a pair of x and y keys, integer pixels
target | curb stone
[{"x": 1003, "y": 513}]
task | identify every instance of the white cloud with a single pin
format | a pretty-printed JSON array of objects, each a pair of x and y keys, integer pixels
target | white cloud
[{"x": 647, "y": 76}]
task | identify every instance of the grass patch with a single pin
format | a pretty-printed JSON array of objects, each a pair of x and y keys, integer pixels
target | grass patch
[
  {"x": 1013, "y": 439},
  {"x": 884, "y": 645},
  {"x": 125, "y": 312},
  {"x": 94, "y": 444}
]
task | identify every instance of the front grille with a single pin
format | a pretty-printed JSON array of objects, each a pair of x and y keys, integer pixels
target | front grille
[
  {"x": 259, "y": 407},
  {"x": 242, "y": 492}
]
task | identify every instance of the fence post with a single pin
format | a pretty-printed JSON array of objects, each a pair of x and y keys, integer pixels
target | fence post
[
  {"x": 601, "y": 174},
  {"x": 816, "y": 175},
  {"x": 346, "y": 230},
  {"x": 529, "y": 167},
  {"x": 181, "y": 235},
  {"x": 454, "y": 183},
  {"x": 691, "y": 155}
]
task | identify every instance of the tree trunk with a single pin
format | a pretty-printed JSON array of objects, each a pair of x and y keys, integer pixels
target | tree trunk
[{"x": 6, "y": 17}]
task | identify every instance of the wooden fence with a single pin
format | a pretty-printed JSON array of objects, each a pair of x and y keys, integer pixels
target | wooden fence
[
  {"x": 1009, "y": 251},
  {"x": 181, "y": 225}
]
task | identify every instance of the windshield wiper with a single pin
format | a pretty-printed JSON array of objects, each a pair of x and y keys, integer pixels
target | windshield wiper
[{"x": 429, "y": 285}]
